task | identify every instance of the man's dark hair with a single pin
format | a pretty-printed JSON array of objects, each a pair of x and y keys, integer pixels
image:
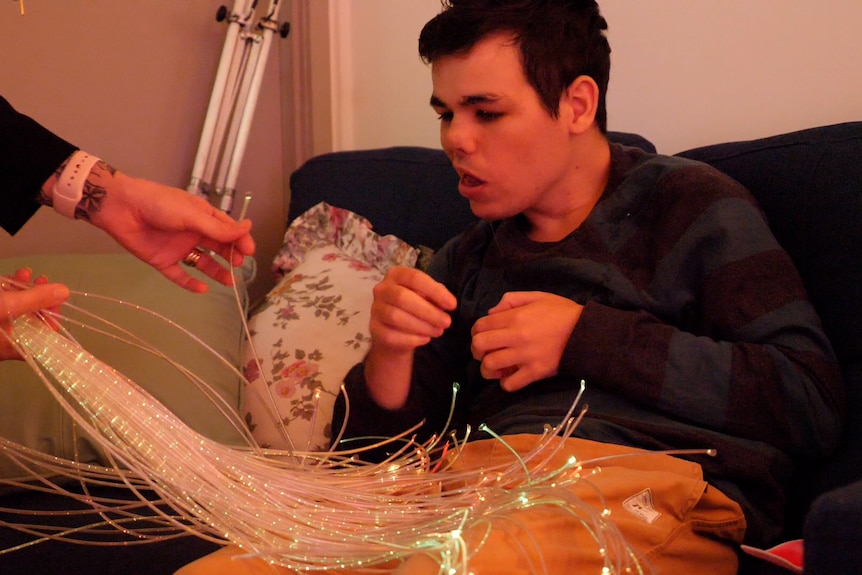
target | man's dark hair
[{"x": 559, "y": 41}]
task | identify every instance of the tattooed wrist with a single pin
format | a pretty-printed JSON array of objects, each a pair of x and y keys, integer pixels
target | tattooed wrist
[{"x": 95, "y": 191}]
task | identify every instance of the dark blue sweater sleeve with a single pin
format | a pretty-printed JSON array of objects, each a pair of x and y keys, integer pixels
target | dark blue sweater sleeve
[{"x": 29, "y": 154}]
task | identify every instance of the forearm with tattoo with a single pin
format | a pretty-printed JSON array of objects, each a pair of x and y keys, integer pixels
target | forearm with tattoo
[{"x": 95, "y": 189}]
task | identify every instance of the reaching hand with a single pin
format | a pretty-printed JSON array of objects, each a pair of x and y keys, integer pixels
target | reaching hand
[
  {"x": 16, "y": 301},
  {"x": 522, "y": 338},
  {"x": 161, "y": 225}
]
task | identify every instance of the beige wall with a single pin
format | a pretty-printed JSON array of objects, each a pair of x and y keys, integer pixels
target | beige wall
[
  {"x": 694, "y": 72},
  {"x": 684, "y": 72},
  {"x": 130, "y": 82}
]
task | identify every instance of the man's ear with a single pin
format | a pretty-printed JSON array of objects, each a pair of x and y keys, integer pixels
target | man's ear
[{"x": 579, "y": 103}]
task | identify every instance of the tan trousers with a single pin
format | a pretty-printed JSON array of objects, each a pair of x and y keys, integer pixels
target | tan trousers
[{"x": 673, "y": 520}]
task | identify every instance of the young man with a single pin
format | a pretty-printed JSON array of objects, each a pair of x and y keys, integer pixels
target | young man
[{"x": 654, "y": 279}]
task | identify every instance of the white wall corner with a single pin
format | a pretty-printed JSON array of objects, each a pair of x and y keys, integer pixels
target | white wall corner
[{"x": 341, "y": 75}]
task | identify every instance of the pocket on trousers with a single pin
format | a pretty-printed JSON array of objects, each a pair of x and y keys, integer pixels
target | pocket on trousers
[{"x": 654, "y": 508}]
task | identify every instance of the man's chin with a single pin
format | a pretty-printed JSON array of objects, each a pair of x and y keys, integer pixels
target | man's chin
[{"x": 488, "y": 213}]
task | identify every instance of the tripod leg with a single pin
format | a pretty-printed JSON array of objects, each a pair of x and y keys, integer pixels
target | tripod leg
[
  {"x": 240, "y": 16},
  {"x": 267, "y": 27}
]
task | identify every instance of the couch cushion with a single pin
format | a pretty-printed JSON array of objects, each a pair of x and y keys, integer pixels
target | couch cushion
[
  {"x": 833, "y": 531},
  {"x": 29, "y": 415}
]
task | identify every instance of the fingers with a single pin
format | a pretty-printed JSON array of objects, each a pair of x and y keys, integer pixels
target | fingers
[
  {"x": 176, "y": 274},
  {"x": 38, "y": 297},
  {"x": 523, "y": 337},
  {"x": 417, "y": 294},
  {"x": 220, "y": 235},
  {"x": 409, "y": 309},
  {"x": 502, "y": 356},
  {"x": 21, "y": 298},
  {"x": 500, "y": 349},
  {"x": 23, "y": 275},
  {"x": 499, "y": 363},
  {"x": 499, "y": 329},
  {"x": 244, "y": 245},
  {"x": 43, "y": 280},
  {"x": 206, "y": 263},
  {"x": 155, "y": 214},
  {"x": 229, "y": 239},
  {"x": 424, "y": 286},
  {"x": 219, "y": 232},
  {"x": 214, "y": 268},
  {"x": 514, "y": 299}
]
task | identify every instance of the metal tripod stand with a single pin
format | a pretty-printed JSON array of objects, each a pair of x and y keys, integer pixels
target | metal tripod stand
[{"x": 233, "y": 100}]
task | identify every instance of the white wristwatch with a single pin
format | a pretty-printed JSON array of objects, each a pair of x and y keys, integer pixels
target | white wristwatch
[{"x": 70, "y": 185}]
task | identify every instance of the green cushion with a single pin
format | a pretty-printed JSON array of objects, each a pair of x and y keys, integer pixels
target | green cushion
[{"x": 30, "y": 416}]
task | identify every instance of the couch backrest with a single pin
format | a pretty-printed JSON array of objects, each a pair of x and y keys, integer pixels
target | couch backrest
[
  {"x": 809, "y": 184},
  {"x": 409, "y": 192}
]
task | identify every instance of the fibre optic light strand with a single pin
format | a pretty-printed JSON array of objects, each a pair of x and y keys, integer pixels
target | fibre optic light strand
[{"x": 308, "y": 511}]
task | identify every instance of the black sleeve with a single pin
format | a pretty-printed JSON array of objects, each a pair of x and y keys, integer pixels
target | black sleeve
[{"x": 29, "y": 154}]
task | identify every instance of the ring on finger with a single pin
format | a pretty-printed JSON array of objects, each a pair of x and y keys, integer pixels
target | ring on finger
[{"x": 193, "y": 258}]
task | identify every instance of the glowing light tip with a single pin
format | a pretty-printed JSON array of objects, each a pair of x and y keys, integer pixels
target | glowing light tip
[{"x": 245, "y": 201}]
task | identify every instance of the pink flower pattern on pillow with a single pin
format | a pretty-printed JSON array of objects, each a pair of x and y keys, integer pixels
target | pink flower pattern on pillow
[
  {"x": 349, "y": 232},
  {"x": 313, "y": 325}
]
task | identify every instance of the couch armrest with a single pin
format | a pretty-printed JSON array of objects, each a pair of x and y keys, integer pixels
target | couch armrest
[{"x": 833, "y": 532}]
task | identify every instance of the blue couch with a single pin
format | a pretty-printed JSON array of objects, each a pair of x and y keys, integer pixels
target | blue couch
[{"x": 809, "y": 184}]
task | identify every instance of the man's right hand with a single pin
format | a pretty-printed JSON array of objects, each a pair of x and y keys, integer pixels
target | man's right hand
[{"x": 409, "y": 309}]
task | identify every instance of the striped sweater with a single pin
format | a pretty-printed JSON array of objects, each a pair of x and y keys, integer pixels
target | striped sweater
[{"x": 696, "y": 333}]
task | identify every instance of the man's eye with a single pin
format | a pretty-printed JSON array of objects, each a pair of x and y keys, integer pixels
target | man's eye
[
  {"x": 445, "y": 116},
  {"x": 486, "y": 116}
]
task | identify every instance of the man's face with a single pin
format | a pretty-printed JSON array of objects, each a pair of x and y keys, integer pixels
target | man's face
[{"x": 512, "y": 156}]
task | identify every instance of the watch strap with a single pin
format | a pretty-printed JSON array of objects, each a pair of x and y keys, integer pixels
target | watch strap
[{"x": 70, "y": 185}]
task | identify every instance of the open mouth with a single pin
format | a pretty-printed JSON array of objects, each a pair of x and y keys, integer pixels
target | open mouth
[{"x": 470, "y": 181}]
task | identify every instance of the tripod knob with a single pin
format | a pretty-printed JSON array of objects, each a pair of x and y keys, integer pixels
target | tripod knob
[{"x": 221, "y": 14}]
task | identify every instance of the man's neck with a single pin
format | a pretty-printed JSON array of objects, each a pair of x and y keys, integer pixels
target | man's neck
[{"x": 586, "y": 186}]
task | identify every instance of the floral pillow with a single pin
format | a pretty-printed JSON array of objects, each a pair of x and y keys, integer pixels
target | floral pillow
[{"x": 312, "y": 327}]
